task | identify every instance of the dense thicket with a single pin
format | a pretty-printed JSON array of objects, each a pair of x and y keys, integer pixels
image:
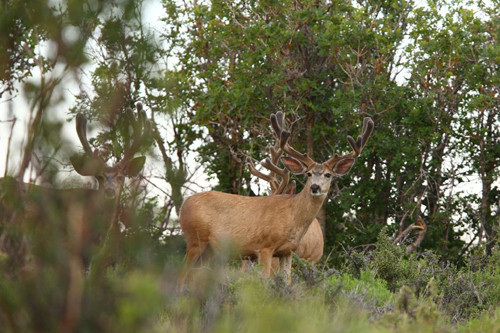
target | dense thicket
[
  {"x": 209, "y": 75},
  {"x": 427, "y": 74}
]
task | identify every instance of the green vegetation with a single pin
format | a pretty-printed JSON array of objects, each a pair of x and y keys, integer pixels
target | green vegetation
[{"x": 143, "y": 298}]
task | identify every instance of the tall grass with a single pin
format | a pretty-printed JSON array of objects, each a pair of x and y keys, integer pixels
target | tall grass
[{"x": 41, "y": 288}]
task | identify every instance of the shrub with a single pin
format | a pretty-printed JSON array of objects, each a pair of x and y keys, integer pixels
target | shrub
[
  {"x": 484, "y": 323},
  {"x": 368, "y": 290},
  {"x": 390, "y": 263},
  {"x": 468, "y": 291}
]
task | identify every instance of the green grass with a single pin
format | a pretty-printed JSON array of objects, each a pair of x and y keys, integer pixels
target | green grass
[{"x": 388, "y": 292}]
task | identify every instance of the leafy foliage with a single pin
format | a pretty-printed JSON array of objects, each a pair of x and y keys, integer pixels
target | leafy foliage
[{"x": 328, "y": 64}]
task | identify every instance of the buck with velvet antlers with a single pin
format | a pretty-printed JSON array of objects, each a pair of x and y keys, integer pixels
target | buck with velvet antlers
[
  {"x": 101, "y": 208},
  {"x": 264, "y": 226},
  {"x": 92, "y": 163},
  {"x": 311, "y": 245},
  {"x": 85, "y": 214}
]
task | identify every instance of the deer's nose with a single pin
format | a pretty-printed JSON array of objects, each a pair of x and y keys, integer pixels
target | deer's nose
[
  {"x": 315, "y": 188},
  {"x": 110, "y": 193}
]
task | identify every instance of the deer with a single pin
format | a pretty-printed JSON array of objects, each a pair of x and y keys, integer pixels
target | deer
[
  {"x": 86, "y": 213},
  {"x": 264, "y": 226},
  {"x": 70, "y": 223},
  {"x": 311, "y": 245},
  {"x": 92, "y": 163}
]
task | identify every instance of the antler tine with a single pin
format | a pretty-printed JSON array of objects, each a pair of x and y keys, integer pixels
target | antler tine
[
  {"x": 140, "y": 128},
  {"x": 277, "y": 121},
  {"x": 302, "y": 157},
  {"x": 256, "y": 172},
  {"x": 283, "y": 184},
  {"x": 368, "y": 126},
  {"x": 358, "y": 144},
  {"x": 354, "y": 144},
  {"x": 81, "y": 130},
  {"x": 280, "y": 117},
  {"x": 271, "y": 164},
  {"x": 284, "y": 174},
  {"x": 268, "y": 178},
  {"x": 367, "y": 131},
  {"x": 276, "y": 153}
]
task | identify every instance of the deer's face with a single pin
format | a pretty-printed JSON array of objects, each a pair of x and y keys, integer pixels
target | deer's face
[
  {"x": 110, "y": 178},
  {"x": 319, "y": 175},
  {"x": 110, "y": 181},
  {"x": 319, "y": 179},
  {"x": 93, "y": 163}
]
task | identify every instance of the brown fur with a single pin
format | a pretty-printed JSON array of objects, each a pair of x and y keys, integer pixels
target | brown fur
[
  {"x": 80, "y": 216},
  {"x": 311, "y": 245},
  {"x": 310, "y": 248}
]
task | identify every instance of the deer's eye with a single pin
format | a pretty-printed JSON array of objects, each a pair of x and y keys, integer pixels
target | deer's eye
[
  {"x": 328, "y": 175},
  {"x": 309, "y": 174}
]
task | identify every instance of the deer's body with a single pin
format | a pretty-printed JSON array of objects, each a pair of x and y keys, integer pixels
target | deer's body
[
  {"x": 211, "y": 217},
  {"x": 310, "y": 248},
  {"x": 259, "y": 226},
  {"x": 81, "y": 216},
  {"x": 311, "y": 245},
  {"x": 84, "y": 216}
]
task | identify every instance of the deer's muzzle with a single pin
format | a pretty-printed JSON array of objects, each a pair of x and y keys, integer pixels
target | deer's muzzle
[{"x": 315, "y": 189}]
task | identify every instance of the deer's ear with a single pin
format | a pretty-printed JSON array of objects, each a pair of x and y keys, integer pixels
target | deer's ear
[
  {"x": 293, "y": 165},
  {"x": 344, "y": 166},
  {"x": 86, "y": 166},
  {"x": 134, "y": 166}
]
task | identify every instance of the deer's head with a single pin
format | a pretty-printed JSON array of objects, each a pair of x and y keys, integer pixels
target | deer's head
[
  {"x": 92, "y": 162},
  {"x": 319, "y": 174}
]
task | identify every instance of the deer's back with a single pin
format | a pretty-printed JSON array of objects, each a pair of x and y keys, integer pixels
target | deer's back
[
  {"x": 214, "y": 213},
  {"x": 82, "y": 215}
]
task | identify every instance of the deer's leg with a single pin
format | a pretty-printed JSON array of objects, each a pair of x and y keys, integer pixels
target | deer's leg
[
  {"x": 193, "y": 253},
  {"x": 286, "y": 268},
  {"x": 265, "y": 257},
  {"x": 275, "y": 266},
  {"x": 245, "y": 265}
]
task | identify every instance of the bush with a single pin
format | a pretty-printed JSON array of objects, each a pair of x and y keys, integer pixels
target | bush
[
  {"x": 469, "y": 291},
  {"x": 368, "y": 290},
  {"x": 390, "y": 263},
  {"x": 484, "y": 323}
]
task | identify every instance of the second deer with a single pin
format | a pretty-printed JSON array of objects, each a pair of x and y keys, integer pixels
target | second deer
[
  {"x": 264, "y": 226},
  {"x": 85, "y": 214}
]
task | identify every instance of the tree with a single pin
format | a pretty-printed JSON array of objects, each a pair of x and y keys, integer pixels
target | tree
[
  {"x": 480, "y": 113},
  {"x": 328, "y": 64}
]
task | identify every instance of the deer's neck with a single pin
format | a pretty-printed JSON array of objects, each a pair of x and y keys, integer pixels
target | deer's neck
[{"x": 306, "y": 207}]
